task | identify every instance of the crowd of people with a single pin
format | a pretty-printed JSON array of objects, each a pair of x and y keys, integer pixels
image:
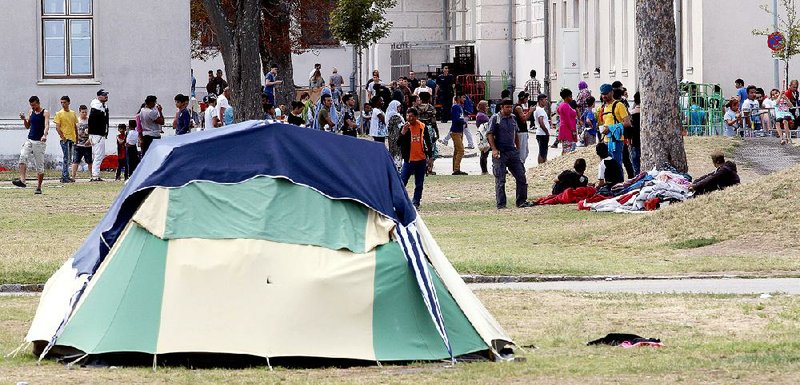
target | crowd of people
[
  {"x": 752, "y": 110},
  {"x": 405, "y": 115}
]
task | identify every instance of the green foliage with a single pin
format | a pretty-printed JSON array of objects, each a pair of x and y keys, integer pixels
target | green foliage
[
  {"x": 361, "y": 22},
  {"x": 694, "y": 243}
]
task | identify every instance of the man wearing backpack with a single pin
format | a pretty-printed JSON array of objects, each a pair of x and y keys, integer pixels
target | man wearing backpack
[
  {"x": 615, "y": 119},
  {"x": 504, "y": 140}
]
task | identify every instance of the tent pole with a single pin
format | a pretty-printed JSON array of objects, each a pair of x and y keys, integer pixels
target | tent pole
[
  {"x": 268, "y": 364},
  {"x": 155, "y": 360}
]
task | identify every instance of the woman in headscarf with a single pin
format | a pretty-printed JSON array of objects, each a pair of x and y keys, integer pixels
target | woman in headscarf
[
  {"x": 583, "y": 93},
  {"x": 394, "y": 124}
]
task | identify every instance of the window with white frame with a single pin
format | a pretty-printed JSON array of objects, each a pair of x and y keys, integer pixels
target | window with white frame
[{"x": 67, "y": 34}]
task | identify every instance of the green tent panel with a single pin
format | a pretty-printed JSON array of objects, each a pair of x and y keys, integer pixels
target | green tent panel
[
  {"x": 265, "y": 208},
  {"x": 402, "y": 328},
  {"x": 122, "y": 312}
]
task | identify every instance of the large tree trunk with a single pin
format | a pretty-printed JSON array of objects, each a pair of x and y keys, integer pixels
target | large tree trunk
[
  {"x": 237, "y": 31},
  {"x": 661, "y": 120},
  {"x": 279, "y": 14}
]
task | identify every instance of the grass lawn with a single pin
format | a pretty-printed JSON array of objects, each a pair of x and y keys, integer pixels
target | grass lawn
[
  {"x": 717, "y": 339},
  {"x": 747, "y": 229}
]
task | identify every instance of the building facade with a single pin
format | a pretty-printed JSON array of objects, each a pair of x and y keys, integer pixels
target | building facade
[{"x": 75, "y": 47}]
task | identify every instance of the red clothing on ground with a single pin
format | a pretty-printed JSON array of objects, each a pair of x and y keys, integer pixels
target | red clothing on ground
[{"x": 570, "y": 195}]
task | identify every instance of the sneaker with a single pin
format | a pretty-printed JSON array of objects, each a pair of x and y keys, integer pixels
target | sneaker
[
  {"x": 470, "y": 147},
  {"x": 38, "y": 191},
  {"x": 65, "y": 180},
  {"x": 19, "y": 183},
  {"x": 526, "y": 205},
  {"x": 95, "y": 180},
  {"x": 462, "y": 173},
  {"x": 442, "y": 142},
  {"x": 71, "y": 180}
]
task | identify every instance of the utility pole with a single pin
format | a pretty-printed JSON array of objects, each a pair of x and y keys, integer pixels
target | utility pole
[
  {"x": 546, "y": 76},
  {"x": 776, "y": 62}
]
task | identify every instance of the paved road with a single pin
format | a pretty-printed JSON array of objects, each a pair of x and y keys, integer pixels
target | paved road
[{"x": 699, "y": 286}]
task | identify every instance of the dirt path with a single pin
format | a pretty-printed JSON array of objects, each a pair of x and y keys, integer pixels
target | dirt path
[{"x": 766, "y": 155}]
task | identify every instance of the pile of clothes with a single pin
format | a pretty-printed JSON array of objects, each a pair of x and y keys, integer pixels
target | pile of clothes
[{"x": 646, "y": 192}]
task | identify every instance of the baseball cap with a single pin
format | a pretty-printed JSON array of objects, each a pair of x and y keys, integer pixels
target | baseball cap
[
  {"x": 605, "y": 88},
  {"x": 102, "y": 92}
]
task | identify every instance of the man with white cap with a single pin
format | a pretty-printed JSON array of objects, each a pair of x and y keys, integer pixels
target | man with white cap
[{"x": 98, "y": 131}]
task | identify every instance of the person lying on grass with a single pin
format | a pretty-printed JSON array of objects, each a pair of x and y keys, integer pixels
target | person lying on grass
[
  {"x": 724, "y": 176},
  {"x": 571, "y": 178}
]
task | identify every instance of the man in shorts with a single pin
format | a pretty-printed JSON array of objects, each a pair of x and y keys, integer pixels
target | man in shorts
[{"x": 38, "y": 124}]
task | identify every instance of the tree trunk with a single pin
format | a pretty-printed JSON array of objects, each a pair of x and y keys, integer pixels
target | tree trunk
[
  {"x": 237, "y": 32},
  {"x": 662, "y": 141},
  {"x": 279, "y": 13}
]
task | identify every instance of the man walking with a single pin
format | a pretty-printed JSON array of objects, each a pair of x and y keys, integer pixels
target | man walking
[
  {"x": 98, "y": 131},
  {"x": 532, "y": 86},
  {"x": 152, "y": 118},
  {"x": 211, "y": 86},
  {"x": 38, "y": 125},
  {"x": 504, "y": 142},
  {"x": 270, "y": 82},
  {"x": 67, "y": 127},
  {"x": 445, "y": 84},
  {"x": 457, "y": 128},
  {"x": 416, "y": 149}
]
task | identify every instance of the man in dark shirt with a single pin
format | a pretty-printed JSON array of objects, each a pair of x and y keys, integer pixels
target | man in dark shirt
[
  {"x": 504, "y": 141},
  {"x": 724, "y": 176},
  {"x": 295, "y": 116},
  {"x": 221, "y": 84},
  {"x": 349, "y": 126},
  {"x": 444, "y": 91},
  {"x": 211, "y": 86}
]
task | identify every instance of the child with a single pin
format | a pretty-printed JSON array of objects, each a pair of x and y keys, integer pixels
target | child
[
  {"x": 83, "y": 147},
  {"x": 609, "y": 171},
  {"x": 571, "y": 179},
  {"x": 567, "y": 130},
  {"x": 366, "y": 115},
  {"x": 783, "y": 117},
  {"x": 131, "y": 151},
  {"x": 122, "y": 163},
  {"x": 589, "y": 123}
]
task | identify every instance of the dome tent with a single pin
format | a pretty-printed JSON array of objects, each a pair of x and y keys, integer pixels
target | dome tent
[{"x": 268, "y": 241}]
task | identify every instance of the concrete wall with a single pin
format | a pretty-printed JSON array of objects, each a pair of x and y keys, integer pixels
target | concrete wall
[
  {"x": 730, "y": 50},
  {"x": 141, "y": 48}
]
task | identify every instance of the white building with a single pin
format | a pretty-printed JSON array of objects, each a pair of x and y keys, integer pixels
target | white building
[{"x": 53, "y": 48}]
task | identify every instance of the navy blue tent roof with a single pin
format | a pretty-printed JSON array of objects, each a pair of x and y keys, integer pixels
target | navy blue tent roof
[{"x": 338, "y": 166}]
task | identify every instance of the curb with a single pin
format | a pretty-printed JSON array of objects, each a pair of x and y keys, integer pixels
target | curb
[
  {"x": 477, "y": 278},
  {"x": 21, "y": 288},
  {"x": 470, "y": 278}
]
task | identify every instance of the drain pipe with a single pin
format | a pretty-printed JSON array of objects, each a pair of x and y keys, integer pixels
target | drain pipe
[
  {"x": 547, "y": 36},
  {"x": 511, "y": 84},
  {"x": 353, "y": 73},
  {"x": 679, "y": 39},
  {"x": 445, "y": 34}
]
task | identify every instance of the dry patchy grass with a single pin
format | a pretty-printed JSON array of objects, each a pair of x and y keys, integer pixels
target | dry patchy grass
[{"x": 717, "y": 339}]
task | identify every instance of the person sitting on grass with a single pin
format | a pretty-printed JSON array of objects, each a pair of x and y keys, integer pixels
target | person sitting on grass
[
  {"x": 571, "y": 179},
  {"x": 609, "y": 171},
  {"x": 724, "y": 176}
]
